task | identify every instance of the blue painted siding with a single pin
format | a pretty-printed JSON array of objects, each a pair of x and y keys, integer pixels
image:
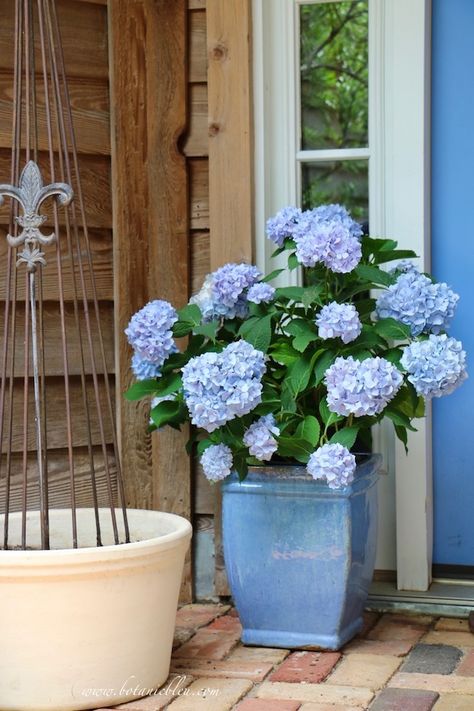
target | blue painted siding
[{"x": 453, "y": 262}]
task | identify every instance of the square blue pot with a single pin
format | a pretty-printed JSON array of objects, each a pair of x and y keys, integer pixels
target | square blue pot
[{"x": 300, "y": 556}]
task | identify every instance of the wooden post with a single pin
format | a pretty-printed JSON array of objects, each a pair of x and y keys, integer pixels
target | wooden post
[
  {"x": 148, "y": 59},
  {"x": 230, "y": 131},
  {"x": 230, "y": 158}
]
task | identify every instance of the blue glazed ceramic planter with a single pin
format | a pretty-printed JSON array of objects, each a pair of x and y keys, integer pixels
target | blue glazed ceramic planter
[{"x": 300, "y": 556}]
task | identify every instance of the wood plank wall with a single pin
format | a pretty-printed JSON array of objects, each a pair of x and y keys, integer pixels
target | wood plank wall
[
  {"x": 196, "y": 150},
  {"x": 220, "y": 156},
  {"x": 148, "y": 60},
  {"x": 220, "y": 37},
  {"x": 84, "y": 31}
]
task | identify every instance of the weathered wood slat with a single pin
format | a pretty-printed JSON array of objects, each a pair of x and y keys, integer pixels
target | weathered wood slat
[
  {"x": 95, "y": 2},
  {"x": 171, "y": 276},
  {"x": 84, "y": 37},
  {"x": 129, "y": 96},
  {"x": 197, "y": 46},
  {"x": 204, "y": 492},
  {"x": 90, "y": 108},
  {"x": 196, "y": 4},
  {"x": 230, "y": 158},
  {"x": 199, "y": 193},
  {"x": 150, "y": 208},
  {"x": 101, "y": 250},
  {"x": 56, "y": 415},
  {"x": 53, "y": 341},
  {"x": 95, "y": 181},
  {"x": 200, "y": 259},
  {"x": 230, "y": 127},
  {"x": 59, "y": 480},
  {"x": 197, "y": 138}
]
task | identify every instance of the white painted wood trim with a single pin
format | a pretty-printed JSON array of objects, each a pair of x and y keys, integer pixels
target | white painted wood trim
[
  {"x": 275, "y": 122},
  {"x": 407, "y": 218},
  {"x": 383, "y": 436},
  {"x": 332, "y": 154}
]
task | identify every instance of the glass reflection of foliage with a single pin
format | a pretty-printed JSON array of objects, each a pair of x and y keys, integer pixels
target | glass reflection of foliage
[
  {"x": 334, "y": 74},
  {"x": 345, "y": 182}
]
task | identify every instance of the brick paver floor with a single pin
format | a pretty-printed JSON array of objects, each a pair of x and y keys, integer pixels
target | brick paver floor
[{"x": 398, "y": 663}]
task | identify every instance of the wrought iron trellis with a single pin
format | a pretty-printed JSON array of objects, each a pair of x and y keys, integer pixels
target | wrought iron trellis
[{"x": 43, "y": 133}]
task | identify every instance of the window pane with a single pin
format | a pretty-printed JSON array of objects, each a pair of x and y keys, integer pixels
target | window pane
[
  {"x": 334, "y": 74},
  {"x": 345, "y": 182}
]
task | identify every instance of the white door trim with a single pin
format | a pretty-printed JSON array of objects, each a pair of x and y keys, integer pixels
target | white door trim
[
  {"x": 407, "y": 183},
  {"x": 399, "y": 141}
]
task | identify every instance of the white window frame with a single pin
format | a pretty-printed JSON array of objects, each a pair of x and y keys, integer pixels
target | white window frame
[{"x": 399, "y": 175}]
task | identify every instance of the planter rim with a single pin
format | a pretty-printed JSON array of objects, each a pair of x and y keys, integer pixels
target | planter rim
[
  {"x": 91, "y": 555},
  {"x": 293, "y": 479},
  {"x": 374, "y": 460}
]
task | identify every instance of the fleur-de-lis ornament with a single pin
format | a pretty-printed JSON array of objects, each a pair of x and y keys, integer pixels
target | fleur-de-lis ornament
[{"x": 30, "y": 194}]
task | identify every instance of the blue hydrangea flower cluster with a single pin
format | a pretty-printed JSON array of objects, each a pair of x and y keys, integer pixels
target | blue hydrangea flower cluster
[
  {"x": 329, "y": 243},
  {"x": 361, "y": 387},
  {"x": 337, "y": 213},
  {"x": 327, "y": 235},
  {"x": 417, "y": 302},
  {"x": 281, "y": 226},
  {"x": 220, "y": 386},
  {"x": 149, "y": 332},
  {"x": 339, "y": 321},
  {"x": 144, "y": 369},
  {"x": 261, "y": 293},
  {"x": 223, "y": 291},
  {"x": 436, "y": 366},
  {"x": 259, "y": 438},
  {"x": 217, "y": 462},
  {"x": 404, "y": 266},
  {"x": 334, "y": 464}
]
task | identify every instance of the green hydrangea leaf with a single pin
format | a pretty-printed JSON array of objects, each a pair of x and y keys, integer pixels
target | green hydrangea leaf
[
  {"x": 294, "y": 293},
  {"x": 374, "y": 275},
  {"x": 392, "y": 329},
  {"x": 371, "y": 245},
  {"x": 288, "y": 402},
  {"x": 323, "y": 361},
  {"x": 402, "y": 436},
  {"x": 189, "y": 317},
  {"x": 304, "y": 332},
  {"x": 293, "y": 262},
  {"x": 298, "y": 375},
  {"x": 283, "y": 353},
  {"x": 296, "y": 448},
  {"x": 258, "y": 332},
  {"x": 347, "y": 436},
  {"x": 393, "y": 355},
  {"x": 311, "y": 295},
  {"x": 142, "y": 388},
  {"x": 309, "y": 430},
  {"x": 399, "y": 418},
  {"x": 392, "y": 254},
  {"x": 273, "y": 274},
  {"x": 329, "y": 418},
  {"x": 166, "y": 412}
]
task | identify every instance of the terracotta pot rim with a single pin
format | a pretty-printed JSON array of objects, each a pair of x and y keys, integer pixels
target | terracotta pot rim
[{"x": 178, "y": 536}]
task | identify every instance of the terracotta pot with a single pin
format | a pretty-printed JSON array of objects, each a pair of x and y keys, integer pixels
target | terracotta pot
[{"x": 88, "y": 627}]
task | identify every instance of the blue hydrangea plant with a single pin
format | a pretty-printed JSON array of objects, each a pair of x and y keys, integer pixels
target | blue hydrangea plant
[{"x": 300, "y": 373}]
